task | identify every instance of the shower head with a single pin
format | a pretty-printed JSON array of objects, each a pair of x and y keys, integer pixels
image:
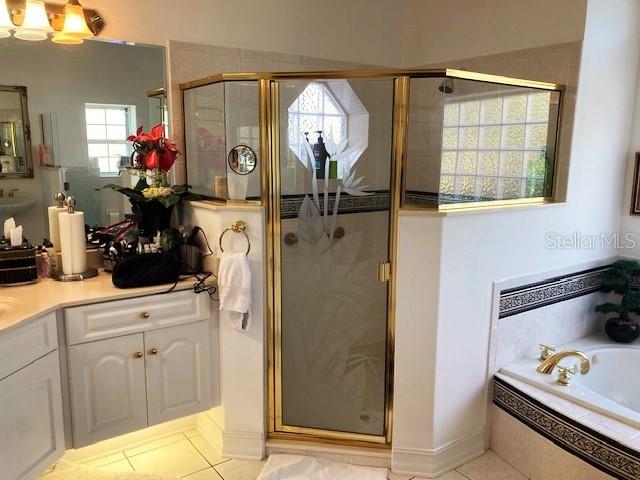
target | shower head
[{"x": 446, "y": 86}]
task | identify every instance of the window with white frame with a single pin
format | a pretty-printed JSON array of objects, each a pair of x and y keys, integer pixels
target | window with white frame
[
  {"x": 315, "y": 109},
  {"x": 495, "y": 147},
  {"x": 107, "y": 129}
]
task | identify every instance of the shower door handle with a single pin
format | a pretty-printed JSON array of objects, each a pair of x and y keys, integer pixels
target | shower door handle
[{"x": 384, "y": 271}]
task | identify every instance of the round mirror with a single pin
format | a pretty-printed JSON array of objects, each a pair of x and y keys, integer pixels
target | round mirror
[{"x": 242, "y": 160}]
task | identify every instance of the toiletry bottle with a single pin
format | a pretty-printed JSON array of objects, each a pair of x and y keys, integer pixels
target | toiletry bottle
[
  {"x": 320, "y": 155},
  {"x": 333, "y": 169}
]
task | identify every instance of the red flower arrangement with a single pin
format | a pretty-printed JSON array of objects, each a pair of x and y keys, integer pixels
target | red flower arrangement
[{"x": 152, "y": 151}]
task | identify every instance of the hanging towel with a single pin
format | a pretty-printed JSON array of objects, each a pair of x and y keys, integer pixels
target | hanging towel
[{"x": 234, "y": 287}]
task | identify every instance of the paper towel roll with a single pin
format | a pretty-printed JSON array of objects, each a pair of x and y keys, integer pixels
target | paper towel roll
[
  {"x": 54, "y": 225},
  {"x": 72, "y": 242}
]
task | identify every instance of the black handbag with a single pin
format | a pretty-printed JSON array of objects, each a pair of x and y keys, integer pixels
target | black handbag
[{"x": 146, "y": 270}]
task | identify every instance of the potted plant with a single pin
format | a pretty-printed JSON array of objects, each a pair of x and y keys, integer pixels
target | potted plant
[
  {"x": 152, "y": 199},
  {"x": 623, "y": 327}
]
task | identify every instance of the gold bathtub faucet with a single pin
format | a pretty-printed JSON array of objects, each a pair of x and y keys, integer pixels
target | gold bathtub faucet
[{"x": 550, "y": 363}]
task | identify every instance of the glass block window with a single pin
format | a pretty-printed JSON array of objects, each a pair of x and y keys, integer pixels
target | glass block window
[
  {"x": 495, "y": 148},
  {"x": 315, "y": 109},
  {"x": 107, "y": 129}
]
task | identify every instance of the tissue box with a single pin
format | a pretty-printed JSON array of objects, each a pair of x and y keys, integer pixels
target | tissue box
[{"x": 18, "y": 265}]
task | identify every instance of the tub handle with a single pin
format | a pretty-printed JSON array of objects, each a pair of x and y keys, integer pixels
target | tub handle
[
  {"x": 545, "y": 351},
  {"x": 564, "y": 377}
]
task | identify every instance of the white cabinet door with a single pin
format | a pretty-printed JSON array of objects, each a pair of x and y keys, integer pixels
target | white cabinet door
[
  {"x": 31, "y": 429},
  {"x": 107, "y": 385},
  {"x": 178, "y": 371}
]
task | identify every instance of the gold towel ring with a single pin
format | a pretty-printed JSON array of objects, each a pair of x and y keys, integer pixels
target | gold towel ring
[{"x": 236, "y": 227}]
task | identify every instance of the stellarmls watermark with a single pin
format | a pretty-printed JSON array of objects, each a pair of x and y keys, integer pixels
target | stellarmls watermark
[{"x": 580, "y": 241}]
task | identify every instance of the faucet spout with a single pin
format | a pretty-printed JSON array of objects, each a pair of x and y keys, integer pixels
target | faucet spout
[{"x": 550, "y": 363}]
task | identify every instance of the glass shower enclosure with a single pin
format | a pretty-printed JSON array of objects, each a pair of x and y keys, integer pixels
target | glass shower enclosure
[{"x": 339, "y": 154}]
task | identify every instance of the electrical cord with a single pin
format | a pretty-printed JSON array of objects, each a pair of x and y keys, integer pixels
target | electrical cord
[{"x": 200, "y": 285}]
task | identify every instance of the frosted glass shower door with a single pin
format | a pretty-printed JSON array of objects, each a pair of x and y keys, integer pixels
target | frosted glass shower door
[{"x": 335, "y": 196}]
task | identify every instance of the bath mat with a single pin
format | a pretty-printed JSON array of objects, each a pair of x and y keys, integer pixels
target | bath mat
[
  {"x": 297, "y": 467},
  {"x": 72, "y": 471}
]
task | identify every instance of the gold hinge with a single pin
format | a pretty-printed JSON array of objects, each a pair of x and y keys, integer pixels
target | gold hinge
[{"x": 384, "y": 271}]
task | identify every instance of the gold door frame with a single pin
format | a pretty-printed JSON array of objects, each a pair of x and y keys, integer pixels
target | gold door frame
[
  {"x": 270, "y": 198},
  {"x": 269, "y": 117}
]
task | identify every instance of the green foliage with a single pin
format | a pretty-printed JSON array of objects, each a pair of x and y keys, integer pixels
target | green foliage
[
  {"x": 608, "y": 308},
  {"x": 618, "y": 280},
  {"x": 135, "y": 195}
]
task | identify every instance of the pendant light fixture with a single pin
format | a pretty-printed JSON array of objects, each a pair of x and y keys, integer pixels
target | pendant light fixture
[
  {"x": 6, "y": 25},
  {"x": 75, "y": 28},
  {"x": 35, "y": 26}
]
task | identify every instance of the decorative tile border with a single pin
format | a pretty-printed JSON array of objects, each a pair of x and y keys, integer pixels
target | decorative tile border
[
  {"x": 418, "y": 197},
  {"x": 378, "y": 201},
  {"x": 546, "y": 292},
  {"x": 594, "y": 448}
]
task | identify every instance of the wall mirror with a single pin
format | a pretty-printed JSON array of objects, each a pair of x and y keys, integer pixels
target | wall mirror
[
  {"x": 84, "y": 100},
  {"x": 15, "y": 133},
  {"x": 242, "y": 160}
]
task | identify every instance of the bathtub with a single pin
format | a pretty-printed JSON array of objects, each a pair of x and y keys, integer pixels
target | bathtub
[{"x": 611, "y": 388}]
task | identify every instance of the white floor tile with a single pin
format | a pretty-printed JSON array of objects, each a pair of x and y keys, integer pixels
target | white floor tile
[
  {"x": 398, "y": 476},
  {"x": 152, "y": 445},
  {"x": 207, "y": 451},
  {"x": 489, "y": 467},
  {"x": 119, "y": 466},
  {"x": 208, "y": 474},
  {"x": 450, "y": 476},
  {"x": 239, "y": 469},
  {"x": 180, "y": 458},
  {"x": 191, "y": 433}
]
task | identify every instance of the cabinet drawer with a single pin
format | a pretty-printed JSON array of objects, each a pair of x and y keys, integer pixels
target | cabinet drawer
[
  {"x": 23, "y": 345},
  {"x": 122, "y": 317}
]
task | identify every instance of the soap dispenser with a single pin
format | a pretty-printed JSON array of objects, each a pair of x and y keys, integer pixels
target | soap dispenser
[{"x": 320, "y": 155}]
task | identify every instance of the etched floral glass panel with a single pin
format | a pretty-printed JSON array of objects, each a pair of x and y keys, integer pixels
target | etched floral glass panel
[{"x": 334, "y": 232}]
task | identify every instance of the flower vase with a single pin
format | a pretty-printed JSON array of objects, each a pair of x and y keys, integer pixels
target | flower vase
[{"x": 151, "y": 217}]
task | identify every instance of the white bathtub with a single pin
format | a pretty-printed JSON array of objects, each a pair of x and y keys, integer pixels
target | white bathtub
[{"x": 611, "y": 388}]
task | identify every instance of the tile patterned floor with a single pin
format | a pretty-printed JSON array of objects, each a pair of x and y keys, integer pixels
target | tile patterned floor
[{"x": 189, "y": 456}]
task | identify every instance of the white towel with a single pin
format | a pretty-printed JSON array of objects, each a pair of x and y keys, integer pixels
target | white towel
[
  {"x": 234, "y": 287},
  {"x": 295, "y": 467}
]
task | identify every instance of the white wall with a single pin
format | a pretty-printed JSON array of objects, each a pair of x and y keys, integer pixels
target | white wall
[
  {"x": 631, "y": 223},
  {"x": 478, "y": 249},
  {"x": 437, "y": 31},
  {"x": 237, "y": 427},
  {"x": 357, "y": 30}
]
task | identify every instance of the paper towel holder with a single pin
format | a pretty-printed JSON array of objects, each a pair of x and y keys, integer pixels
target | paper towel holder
[
  {"x": 90, "y": 272},
  {"x": 74, "y": 277}
]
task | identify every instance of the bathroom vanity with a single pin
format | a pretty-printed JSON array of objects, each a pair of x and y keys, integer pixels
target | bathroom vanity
[{"x": 86, "y": 362}]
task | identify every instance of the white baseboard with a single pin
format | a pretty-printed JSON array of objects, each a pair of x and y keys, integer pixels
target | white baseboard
[
  {"x": 209, "y": 428},
  {"x": 241, "y": 445},
  {"x": 432, "y": 463}
]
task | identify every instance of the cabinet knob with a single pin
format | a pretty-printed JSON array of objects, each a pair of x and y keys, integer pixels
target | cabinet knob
[
  {"x": 138, "y": 355},
  {"x": 144, "y": 315},
  {"x": 153, "y": 351}
]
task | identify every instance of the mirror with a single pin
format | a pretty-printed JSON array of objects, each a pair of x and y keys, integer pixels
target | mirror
[
  {"x": 242, "y": 160},
  {"x": 84, "y": 100},
  {"x": 15, "y": 133}
]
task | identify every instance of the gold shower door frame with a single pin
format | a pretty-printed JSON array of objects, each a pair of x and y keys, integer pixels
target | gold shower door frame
[
  {"x": 270, "y": 124},
  {"x": 270, "y": 198}
]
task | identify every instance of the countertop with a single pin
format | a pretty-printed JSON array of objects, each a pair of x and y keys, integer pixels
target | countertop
[{"x": 18, "y": 305}]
